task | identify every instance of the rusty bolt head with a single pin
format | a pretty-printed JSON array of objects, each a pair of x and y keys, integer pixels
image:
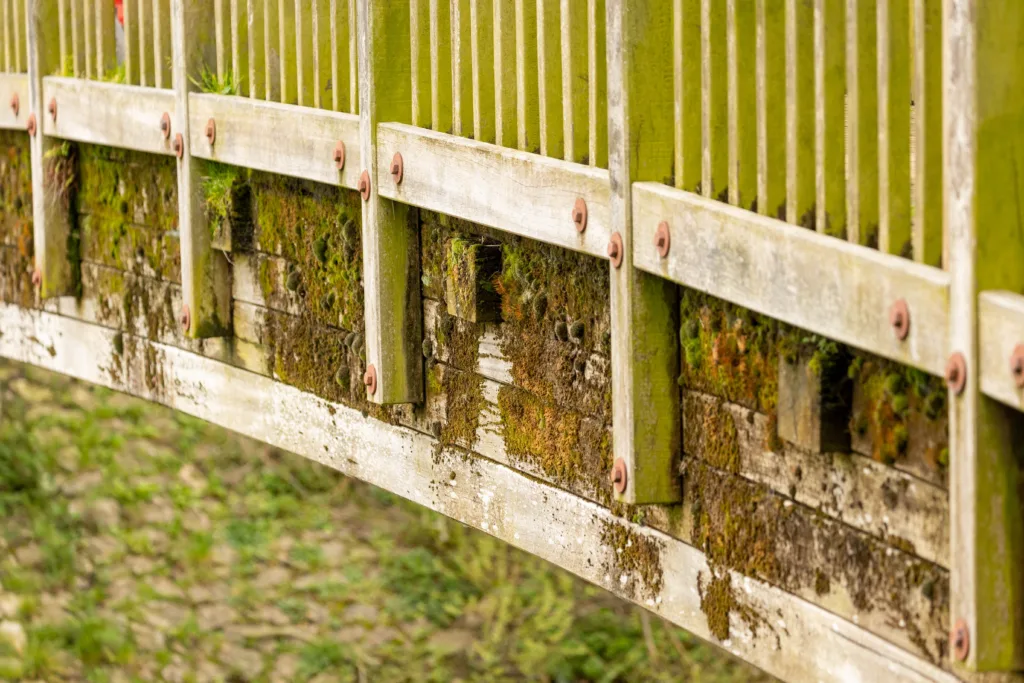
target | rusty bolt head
[
  {"x": 615, "y": 249},
  {"x": 662, "y": 239},
  {"x": 211, "y": 131},
  {"x": 165, "y": 125},
  {"x": 1017, "y": 365},
  {"x": 178, "y": 146},
  {"x": 339, "y": 155},
  {"x": 186, "y": 318},
  {"x": 397, "y": 168},
  {"x": 30, "y": 125},
  {"x": 364, "y": 186},
  {"x": 370, "y": 380},
  {"x": 960, "y": 640},
  {"x": 579, "y": 214},
  {"x": 899, "y": 319},
  {"x": 15, "y": 104},
  {"x": 619, "y": 476},
  {"x": 37, "y": 278},
  {"x": 52, "y": 108},
  {"x": 956, "y": 373}
]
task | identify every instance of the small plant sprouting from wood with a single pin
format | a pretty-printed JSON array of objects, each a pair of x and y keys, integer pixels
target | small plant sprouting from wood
[
  {"x": 219, "y": 182},
  {"x": 60, "y": 171},
  {"x": 210, "y": 82}
]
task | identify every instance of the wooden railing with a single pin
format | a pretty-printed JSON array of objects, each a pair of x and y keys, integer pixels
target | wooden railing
[{"x": 846, "y": 167}]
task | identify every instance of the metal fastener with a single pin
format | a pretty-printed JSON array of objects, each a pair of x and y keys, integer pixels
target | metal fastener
[
  {"x": 960, "y": 639},
  {"x": 956, "y": 373},
  {"x": 397, "y": 168},
  {"x": 15, "y": 104},
  {"x": 52, "y": 108},
  {"x": 30, "y": 125},
  {"x": 615, "y": 249},
  {"x": 165, "y": 125},
  {"x": 186, "y": 318},
  {"x": 619, "y": 476},
  {"x": 339, "y": 155},
  {"x": 662, "y": 239},
  {"x": 211, "y": 131},
  {"x": 579, "y": 214},
  {"x": 370, "y": 380},
  {"x": 1017, "y": 365},
  {"x": 37, "y": 278},
  {"x": 364, "y": 186},
  {"x": 899, "y": 319},
  {"x": 178, "y": 146}
]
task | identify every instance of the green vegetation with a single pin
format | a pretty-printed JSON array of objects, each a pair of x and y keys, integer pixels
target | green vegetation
[{"x": 209, "y": 82}]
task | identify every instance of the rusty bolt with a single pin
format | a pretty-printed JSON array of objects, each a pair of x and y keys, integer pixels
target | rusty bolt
[
  {"x": 15, "y": 104},
  {"x": 899, "y": 319},
  {"x": 52, "y": 108},
  {"x": 364, "y": 186},
  {"x": 960, "y": 640},
  {"x": 178, "y": 146},
  {"x": 165, "y": 125},
  {"x": 615, "y": 249},
  {"x": 30, "y": 125},
  {"x": 1017, "y": 365},
  {"x": 956, "y": 373},
  {"x": 579, "y": 214},
  {"x": 37, "y": 278},
  {"x": 370, "y": 379},
  {"x": 186, "y": 318},
  {"x": 397, "y": 168},
  {"x": 211, "y": 131},
  {"x": 662, "y": 239},
  {"x": 619, "y": 476},
  {"x": 339, "y": 155}
]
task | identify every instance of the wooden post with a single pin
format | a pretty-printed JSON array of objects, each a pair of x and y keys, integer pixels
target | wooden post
[
  {"x": 645, "y": 344},
  {"x": 983, "y": 59},
  {"x": 56, "y": 256},
  {"x": 391, "y": 251},
  {"x": 205, "y": 272}
]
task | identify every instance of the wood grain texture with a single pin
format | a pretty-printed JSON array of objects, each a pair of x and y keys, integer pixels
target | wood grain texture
[
  {"x": 928, "y": 233},
  {"x": 800, "y": 642},
  {"x": 488, "y": 184},
  {"x": 800, "y": 115},
  {"x": 894, "y": 126},
  {"x": 838, "y": 290},
  {"x": 741, "y": 60},
  {"x": 111, "y": 114},
  {"x": 1000, "y": 331},
  {"x": 829, "y": 116},
  {"x": 862, "y": 122},
  {"x": 687, "y": 74}
]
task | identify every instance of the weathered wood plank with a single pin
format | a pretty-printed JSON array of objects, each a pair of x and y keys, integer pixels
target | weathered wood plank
[
  {"x": 597, "y": 66},
  {"x": 800, "y": 115},
  {"x": 574, "y": 81},
  {"x": 894, "y": 126},
  {"x": 503, "y": 20},
  {"x": 161, "y": 43},
  {"x": 927, "y": 201},
  {"x": 1000, "y": 333},
  {"x": 686, "y": 30},
  {"x": 771, "y": 108},
  {"x": 527, "y": 112},
  {"x": 549, "y": 78},
  {"x": 862, "y": 122},
  {"x": 829, "y": 116},
  {"x": 800, "y": 642},
  {"x": 714, "y": 99},
  {"x": 304, "y": 138},
  {"x": 10, "y": 85},
  {"x": 485, "y": 184},
  {"x": 841, "y": 291},
  {"x": 112, "y": 114},
  {"x": 741, "y": 79},
  {"x": 419, "y": 52},
  {"x": 481, "y": 14},
  {"x": 440, "y": 65}
]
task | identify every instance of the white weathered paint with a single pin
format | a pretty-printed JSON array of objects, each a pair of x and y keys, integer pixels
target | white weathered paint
[
  {"x": 11, "y": 84},
  {"x": 1000, "y": 330}
]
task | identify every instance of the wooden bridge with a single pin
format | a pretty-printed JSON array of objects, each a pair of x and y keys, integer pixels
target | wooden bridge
[{"x": 718, "y": 304}]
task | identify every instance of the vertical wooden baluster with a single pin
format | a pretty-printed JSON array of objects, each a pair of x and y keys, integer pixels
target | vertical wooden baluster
[
  {"x": 76, "y": 50},
  {"x": 645, "y": 397},
  {"x": 236, "y": 54},
  {"x": 741, "y": 43},
  {"x": 714, "y": 100},
  {"x": 286, "y": 32},
  {"x": 504, "y": 73},
  {"x": 17, "y": 37},
  {"x": 440, "y": 66},
  {"x": 315, "y": 16},
  {"x": 336, "y": 83},
  {"x": 8, "y": 40},
  {"x": 771, "y": 107},
  {"x": 63, "y": 30},
  {"x": 106, "y": 51},
  {"x": 270, "y": 29},
  {"x": 800, "y": 113},
  {"x": 462, "y": 82},
  {"x": 218, "y": 17},
  {"x": 597, "y": 97},
  {"x": 549, "y": 77},
  {"x": 894, "y": 126},
  {"x": 300, "y": 33},
  {"x": 575, "y": 106},
  {"x": 419, "y": 46},
  {"x": 527, "y": 113},
  {"x": 687, "y": 93},
  {"x": 391, "y": 258},
  {"x": 983, "y": 64},
  {"x": 482, "y": 40},
  {"x": 87, "y": 21},
  {"x": 144, "y": 43},
  {"x": 829, "y": 115},
  {"x": 927, "y": 204},
  {"x": 254, "y": 37},
  {"x": 862, "y": 121},
  {"x": 158, "y": 41},
  {"x": 321, "y": 65},
  {"x": 353, "y": 57}
]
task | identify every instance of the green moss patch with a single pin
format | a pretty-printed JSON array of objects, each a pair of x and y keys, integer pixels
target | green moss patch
[
  {"x": 636, "y": 555},
  {"x": 709, "y": 433},
  {"x": 16, "y": 255}
]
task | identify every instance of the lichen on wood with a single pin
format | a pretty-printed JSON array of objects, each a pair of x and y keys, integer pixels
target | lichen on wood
[{"x": 16, "y": 248}]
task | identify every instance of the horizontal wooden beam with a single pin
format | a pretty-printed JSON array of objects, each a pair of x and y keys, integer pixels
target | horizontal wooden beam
[
  {"x": 112, "y": 114},
  {"x": 821, "y": 284},
  {"x": 795, "y": 640},
  {"x": 1000, "y": 333},
  {"x": 517, "y": 192},
  {"x": 11, "y": 85},
  {"x": 277, "y": 138}
]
